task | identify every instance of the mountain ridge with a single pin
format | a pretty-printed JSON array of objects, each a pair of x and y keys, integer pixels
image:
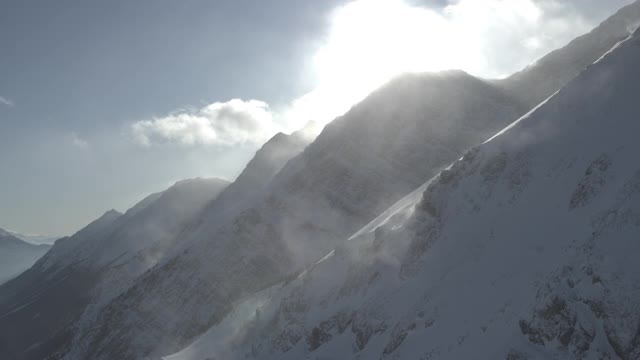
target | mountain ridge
[
  {"x": 537, "y": 81},
  {"x": 521, "y": 249},
  {"x": 263, "y": 243},
  {"x": 17, "y": 255},
  {"x": 270, "y": 224}
]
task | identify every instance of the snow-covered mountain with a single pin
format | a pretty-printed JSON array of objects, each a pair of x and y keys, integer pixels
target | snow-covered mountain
[
  {"x": 82, "y": 272},
  {"x": 525, "y": 248},
  {"x": 17, "y": 255},
  {"x": 126, "y": 290},
  {"x": 361, "y": 163},
  {"x": 266, "y": 163},
  {"x": 38, "y": 307},
  {"x": 35, "y": 238}
]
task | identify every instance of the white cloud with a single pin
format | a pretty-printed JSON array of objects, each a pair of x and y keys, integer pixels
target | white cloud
[
  {"x": 234, "y": 122},
  {"x": 6, "y": 102},
  {"x": 77, "y": 141}
]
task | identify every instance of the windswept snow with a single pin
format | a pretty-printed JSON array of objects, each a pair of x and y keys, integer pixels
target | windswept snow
[
  {"x": 521, "y": 249},
  {"x": 526, "y": 248},
  {"x": 360, "y": 164},
  {"x": 539, "y": 80}
]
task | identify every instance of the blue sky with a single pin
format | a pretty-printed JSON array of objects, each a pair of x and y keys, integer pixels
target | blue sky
[{"x": 91, "y": 91}]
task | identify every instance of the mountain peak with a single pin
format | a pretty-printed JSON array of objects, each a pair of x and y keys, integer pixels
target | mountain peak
[
  {"x": 7, "y": 239},
  {"x": 199, "y": 181},
  {"x": 111, "y": 213},
  {"x": 155, "y": 278}
]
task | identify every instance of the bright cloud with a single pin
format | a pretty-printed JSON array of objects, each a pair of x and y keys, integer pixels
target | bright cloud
[
  {"x": 6, "y": 102},
  {"x": 235, "y": 122},
  {"x": 77, "y": 141}
]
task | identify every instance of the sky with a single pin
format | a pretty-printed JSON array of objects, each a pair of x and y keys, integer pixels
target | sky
[{"x": 104, "y": 102}]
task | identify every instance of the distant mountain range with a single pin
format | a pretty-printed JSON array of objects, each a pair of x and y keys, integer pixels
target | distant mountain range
[
  {"x": 17, "y": 255},
  {"x": 34, "y": 238},
  {"x": 516, "y": 246}
]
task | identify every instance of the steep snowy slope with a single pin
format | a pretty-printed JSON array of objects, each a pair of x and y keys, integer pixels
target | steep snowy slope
[
  {"x": 360, "y": 164},
  {"x": 16, "y": 255},
  {"x": 525, "y": 248},
  {"x": 539, "y": 80},
  {"x": 84, "y": 271}
]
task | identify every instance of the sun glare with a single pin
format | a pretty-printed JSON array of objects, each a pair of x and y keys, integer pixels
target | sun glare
[{"x": 371, "y": 41}]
